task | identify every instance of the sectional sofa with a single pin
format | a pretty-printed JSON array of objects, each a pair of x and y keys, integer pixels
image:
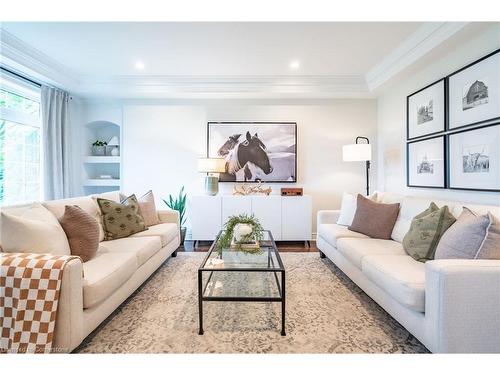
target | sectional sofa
[
  {"x": 449, "y": 305},
  {"x": 118, "y": 269}
]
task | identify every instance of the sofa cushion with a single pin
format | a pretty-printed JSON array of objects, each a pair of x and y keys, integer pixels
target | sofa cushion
[
  {"x": 332, "y": 232},
  {"x": 402, "y": 277},
  {"x": 147, "y": 209},
  {"x": 105, "y": 273},
  {"x": 87, "y": 204},
  {"x": 166, "y": 231},
  {"x": 32, "y": 229},
  {"x": 374, "y": 219},
  {"x": 143, "y": 247},
  {"x": 355, "y": 249}
]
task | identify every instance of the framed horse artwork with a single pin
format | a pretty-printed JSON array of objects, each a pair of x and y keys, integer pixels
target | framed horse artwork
[{"x": 254, "y": 151}]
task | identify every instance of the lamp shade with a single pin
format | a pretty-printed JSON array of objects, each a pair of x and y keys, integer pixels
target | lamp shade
[
  {"x": 357, "y": 152},
  {"x": 114, "y": 141},
  {"x": 211, "y": 165}
]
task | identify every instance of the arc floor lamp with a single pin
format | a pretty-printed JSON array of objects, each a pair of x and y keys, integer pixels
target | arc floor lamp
[{"x": 359, "y": 152}]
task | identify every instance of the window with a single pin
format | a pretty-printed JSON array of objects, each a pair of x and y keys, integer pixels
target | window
[{"x": 20, "y": 147}]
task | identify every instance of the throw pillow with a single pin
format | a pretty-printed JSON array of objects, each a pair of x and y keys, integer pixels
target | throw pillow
[
  {"x": 120, "y": 219},
  {"x": 147, "y": 209},
  {"x": 82, "y": 231},
  {"x": 464, "y": 238},
  {"x": 490, "y": 249},
  {"x": 348, "y": 208},
  {"x": 425, "y": 231},
  {"x": 32, "y": 229},
  {"x": 376, "y": 220}
]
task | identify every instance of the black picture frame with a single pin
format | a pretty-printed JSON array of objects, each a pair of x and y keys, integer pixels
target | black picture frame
[
  {"x": 445, "y": 164},
  {"x": 445, "y": 109},
  {"x": 293, "y": 123},
  {"x": 448, "y": 77},
  {"x": 448, "y": 157}
]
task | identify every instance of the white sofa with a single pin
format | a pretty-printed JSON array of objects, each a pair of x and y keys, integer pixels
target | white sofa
[
  {"x": 451, "y": 306},
  {"x": 118, "y": 269}
]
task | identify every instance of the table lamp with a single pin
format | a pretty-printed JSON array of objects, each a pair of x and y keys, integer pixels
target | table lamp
[
  {"x": 212, "y": 166},
  {"x": 359, "y": 152}
]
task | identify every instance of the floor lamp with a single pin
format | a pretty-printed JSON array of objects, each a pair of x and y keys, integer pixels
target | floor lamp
[{"x": 359, "y": 152}]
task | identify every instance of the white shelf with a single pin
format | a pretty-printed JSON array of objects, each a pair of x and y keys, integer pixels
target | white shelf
[
  {"x": 102, "y": 160},
  {"x": 102, "y": 182}
]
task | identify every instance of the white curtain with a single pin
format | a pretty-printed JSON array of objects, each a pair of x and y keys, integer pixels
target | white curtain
[{"x": 56, "y": 143}]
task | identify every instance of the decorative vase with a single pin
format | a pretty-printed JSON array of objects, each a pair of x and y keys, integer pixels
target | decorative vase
[
  {"x": 241, "y": 230},
  {"x": 183, "y": 235},
  {"x": 98, "y": 150}
]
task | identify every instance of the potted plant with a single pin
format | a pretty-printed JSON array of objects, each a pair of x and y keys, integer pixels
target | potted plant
[
  {"x": 99, "y": 148},
  {"x": 179, "y": 204},
  {"x": 239, "y": 231}
]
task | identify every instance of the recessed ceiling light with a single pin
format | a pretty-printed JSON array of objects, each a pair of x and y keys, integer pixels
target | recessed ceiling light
[
  {"x": 295, "y": 64},
  {"x": 139, "y": 65}
]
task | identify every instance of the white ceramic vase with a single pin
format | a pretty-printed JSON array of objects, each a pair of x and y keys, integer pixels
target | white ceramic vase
[{"x": 241, "y": 230}]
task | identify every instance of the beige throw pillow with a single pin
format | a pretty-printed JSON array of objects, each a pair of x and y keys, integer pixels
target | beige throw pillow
[
  {"x": 464, "y": 238},
  {"x": 82, "y": 231},
  {"x": 120, "y": 219},
  {"x": 376, "y": 220},
  {"x": 147, "y": 209},
  {"x": 32, "y": 229},
  {"x": 490, "y": 249}
]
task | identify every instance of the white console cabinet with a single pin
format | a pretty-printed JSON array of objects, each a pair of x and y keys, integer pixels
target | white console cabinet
[{"x": 288, "y": 218}]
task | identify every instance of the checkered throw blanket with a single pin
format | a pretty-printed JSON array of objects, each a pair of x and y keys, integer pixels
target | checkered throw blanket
[{"x": 29, "y": 293}]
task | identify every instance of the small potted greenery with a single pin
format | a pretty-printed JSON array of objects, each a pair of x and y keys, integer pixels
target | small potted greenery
[
  {"x": 179, "y": 204},
  {"x": 239, "y": 231},
  {"x": 99, "y": 148}
]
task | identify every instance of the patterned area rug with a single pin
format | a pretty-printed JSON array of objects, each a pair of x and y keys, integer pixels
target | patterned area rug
[{"x": 325, "y": 313}]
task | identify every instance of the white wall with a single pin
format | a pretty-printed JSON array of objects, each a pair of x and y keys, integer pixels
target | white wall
[
  {"x": 162, "y": 141},
  {"x": 392, "y": 119}
]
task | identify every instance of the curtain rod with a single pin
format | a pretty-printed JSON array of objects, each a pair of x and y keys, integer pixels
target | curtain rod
[{"x": 21, "y": 77}]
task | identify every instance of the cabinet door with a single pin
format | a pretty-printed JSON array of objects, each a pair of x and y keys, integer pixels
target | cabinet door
[
  {"x": 296, "y": 218},
  {"x": 234, "y": 205},
  {"x": 268, "y": 210},
  {"x": 205, "y": 214}
]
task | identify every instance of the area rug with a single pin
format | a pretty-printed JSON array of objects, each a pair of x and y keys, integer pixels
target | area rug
[{"x": 325, "y": 313}]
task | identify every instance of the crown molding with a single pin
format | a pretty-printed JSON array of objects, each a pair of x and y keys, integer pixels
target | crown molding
[
  {"x": 23, "y": 58},
  {"x": 426, "y": 38}
]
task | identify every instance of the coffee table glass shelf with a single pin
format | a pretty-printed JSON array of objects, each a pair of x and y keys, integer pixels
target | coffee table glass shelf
[{"x": 238, "y": 276}]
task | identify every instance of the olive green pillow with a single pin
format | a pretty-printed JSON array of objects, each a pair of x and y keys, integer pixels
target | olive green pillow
[
  {"x": 425, "y": 232},
  {"x": 120, "y": 219}
]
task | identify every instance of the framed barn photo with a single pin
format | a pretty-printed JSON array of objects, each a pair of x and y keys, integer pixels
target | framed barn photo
[
  {"x": 425, "y": 163},
  {"x": 474, "y": 93},
  {"x": 255, "y": 151},
  {"x": 426, "y": 111},
  {"x": 474, "y": 159}
]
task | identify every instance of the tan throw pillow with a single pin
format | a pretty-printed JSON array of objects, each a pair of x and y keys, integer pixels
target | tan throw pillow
[
  {"x": 490, "y": 249},
  {"x": 376, "y": 220},
  {"x": 464, "y": 238},
  {"x": 32, "y": 229},
  {"x": 82, "y": 231},
  {"x": 120, "y": 219},
  {"x": 425, "y": 231},
  {"x": 147, "y": 209}
]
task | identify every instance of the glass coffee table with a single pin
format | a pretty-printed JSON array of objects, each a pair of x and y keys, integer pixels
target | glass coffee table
[{"x": 239, "y": 276}]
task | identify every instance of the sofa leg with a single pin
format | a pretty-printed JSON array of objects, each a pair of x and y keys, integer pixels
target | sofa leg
[
  {"x": 322, "y": 255},
  {"x": 174, "y": 254}
]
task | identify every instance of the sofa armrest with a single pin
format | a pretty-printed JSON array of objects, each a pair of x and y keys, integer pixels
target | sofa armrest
[
  {"x": 462, "y": 305},
  {"x": 68, "y": 332},
  {"x": 169, "y": 216},
  {"x": 328, "y": 216}
]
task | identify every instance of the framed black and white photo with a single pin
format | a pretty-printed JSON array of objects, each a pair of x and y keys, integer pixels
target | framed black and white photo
[
  {"x": 425, "y": 163},
  {"x": 426, "y": 111},
  {"x": 474, "y": 93},
  {"x": 474, "y": 159},
  {"x": 255, "y": 151}
]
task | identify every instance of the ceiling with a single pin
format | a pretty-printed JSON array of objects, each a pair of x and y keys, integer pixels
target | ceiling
[{"x": 214, "y": 59}]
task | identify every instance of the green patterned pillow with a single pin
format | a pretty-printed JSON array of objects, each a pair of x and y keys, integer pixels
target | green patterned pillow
[
  {"x": 425, "y": 232},
  {"x": 120, "y": 219}
]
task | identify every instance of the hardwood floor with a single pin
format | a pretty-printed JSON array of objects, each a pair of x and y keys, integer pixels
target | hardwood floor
[{"x": 283, "y": 246}]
